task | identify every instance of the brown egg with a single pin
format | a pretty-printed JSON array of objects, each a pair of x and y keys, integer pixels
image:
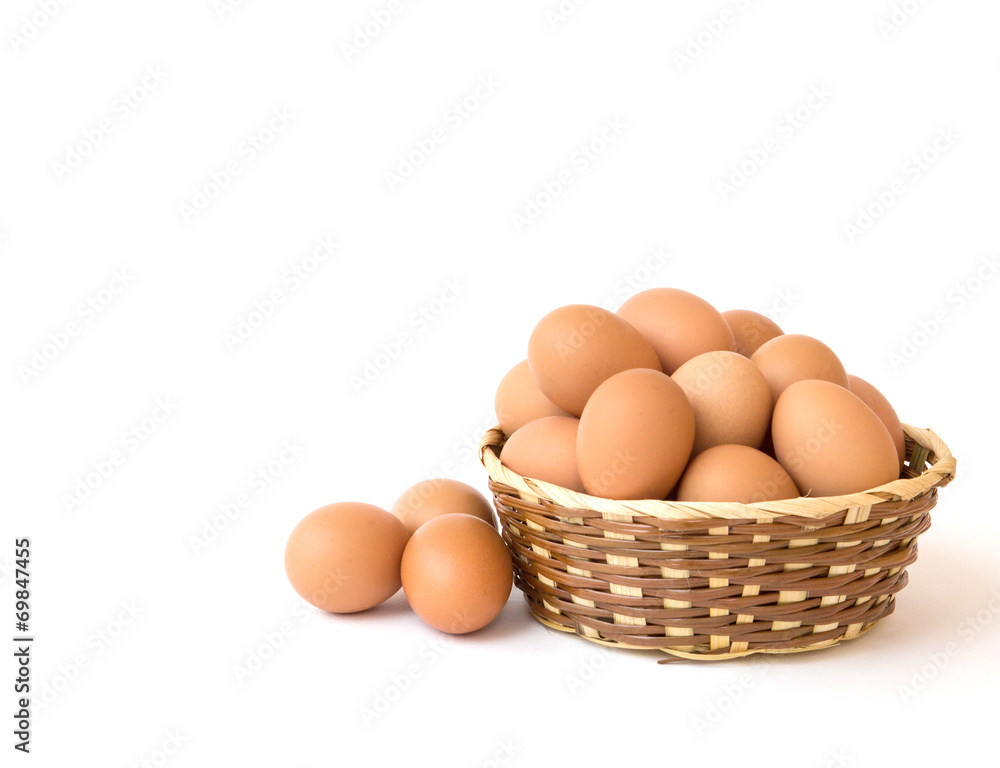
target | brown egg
[
  {"x": 440, "y": 496},
  {"x": 884, "y": 410},
  {"x": 730, "y": 398},
  {"x": 345, "y": 557},
  {"x": 457, "y": 573},
  {"x": 830, "y": 442},
  {"x": 545, "y": 450},
  {"x": 735, "y": 473},
  {"x": 573, "y": 349},
  {"x": 678, "y": 324},
  {"x": 635, "y": 436},
  {"x": 519, "y": 400},
  {"x": 794, "y": 357},
  {"x": 750, "y": 330}
]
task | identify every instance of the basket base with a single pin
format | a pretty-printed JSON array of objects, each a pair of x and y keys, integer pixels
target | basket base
[{"x": 706, "y": 655}]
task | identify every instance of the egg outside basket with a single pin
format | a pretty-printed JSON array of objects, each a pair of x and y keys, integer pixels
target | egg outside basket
[{"x": 714, "y": 580}]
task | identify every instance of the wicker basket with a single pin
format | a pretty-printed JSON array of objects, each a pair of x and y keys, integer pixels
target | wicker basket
[{"x": 713, "y": 580}]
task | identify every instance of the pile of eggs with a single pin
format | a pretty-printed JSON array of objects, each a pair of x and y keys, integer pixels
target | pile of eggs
[
  {"x": 671, "y": 399},
  {"x": 438, "y": 543},
  {"x": 667, "y": 399}
]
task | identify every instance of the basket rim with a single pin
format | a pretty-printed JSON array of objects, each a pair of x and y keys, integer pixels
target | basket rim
[{"x": 940, "y": 473}]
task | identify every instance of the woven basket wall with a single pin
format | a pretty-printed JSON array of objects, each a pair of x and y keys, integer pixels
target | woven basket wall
[{"x": 717, "y": 581}]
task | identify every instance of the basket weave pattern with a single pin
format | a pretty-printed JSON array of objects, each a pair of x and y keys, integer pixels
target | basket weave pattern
[{"x": 717, "y": 580}]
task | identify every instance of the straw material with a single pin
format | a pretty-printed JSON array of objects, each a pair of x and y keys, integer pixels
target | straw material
[{"x": 714, "y": 580}]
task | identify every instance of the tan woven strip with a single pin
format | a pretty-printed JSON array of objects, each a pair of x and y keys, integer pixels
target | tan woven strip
[
  {"x": 544, "y": 553},
  {"x": 572, "y": 569},
  {"x": 632, "y": 562},
  {"x": 718, "y": 641},
  {"x": 854, "y": 515},
  {"x": 885, "y": 521},
  {"x": 790, "y": 596},
  {"x": 750, "y": 590},
  {"x": 673, "y": 573}
]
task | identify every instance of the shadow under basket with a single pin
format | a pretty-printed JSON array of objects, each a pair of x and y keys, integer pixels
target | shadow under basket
[{"x": 716, "y": 580}]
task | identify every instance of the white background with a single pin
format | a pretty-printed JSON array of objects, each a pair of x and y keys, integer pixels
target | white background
[{"x": 777, "y": 243}]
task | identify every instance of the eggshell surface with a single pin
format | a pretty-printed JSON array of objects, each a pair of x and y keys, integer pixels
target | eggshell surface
[
  {"x": 730, "y": 397},
  {"x": 830, "y": 442},
  {"x": 635, "y": 436},
  {"x": 878, "y": 402},
  {"x": 735, "y": 473},
  {"x": 545, "y": 450},
  {"x": 750, "y": 330},
  {"x": 519, "y": 400},
  {"x": 440, "y": 496},
  {"x": 794, "y": 357},
  {"x": 575, "y": 348},
  {"x": 345, "y": 557},
  {"x": 457, "y": 573},
  {"x": 678, "y": 324}
]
